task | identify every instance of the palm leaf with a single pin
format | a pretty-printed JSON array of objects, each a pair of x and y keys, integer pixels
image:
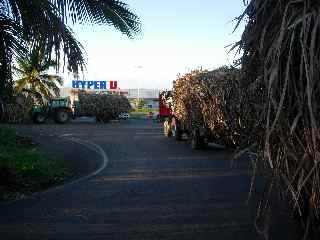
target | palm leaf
[{"x": 110, "y": 12}]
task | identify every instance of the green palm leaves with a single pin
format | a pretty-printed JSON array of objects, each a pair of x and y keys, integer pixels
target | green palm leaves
[
  {"x": 107, "y": 12},
  {"x": 32, "y": 71},
  {"x": 28, "y": 24}
]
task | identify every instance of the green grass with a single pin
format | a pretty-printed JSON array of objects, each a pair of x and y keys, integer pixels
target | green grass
[
  {"x": 23, "y": 169},
  {"x": 145, "y": 110}
]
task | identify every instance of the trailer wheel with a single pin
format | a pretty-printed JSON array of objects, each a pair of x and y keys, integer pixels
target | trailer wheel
[
  {"x": 39, "y": 118},
  {"x": 195, "y": 139},
  {"x": 204, "y": 143},
  {"x": 62, "y": 116},
  {"x": 167, "y": 128},
  {"x": 176, "y": 129}
]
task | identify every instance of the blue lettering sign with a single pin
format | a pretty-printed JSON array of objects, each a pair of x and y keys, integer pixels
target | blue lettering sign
[
  {"x": 81, "y": 84},
  {"x": 75, "y": 84},
  {"x": 90, "y": 84},
  {"x": 103, "y": 85},
  {"x": 96, "y": 85}
]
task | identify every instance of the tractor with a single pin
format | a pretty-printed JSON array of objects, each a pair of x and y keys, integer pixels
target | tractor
[{"x": 59, "y": 109}]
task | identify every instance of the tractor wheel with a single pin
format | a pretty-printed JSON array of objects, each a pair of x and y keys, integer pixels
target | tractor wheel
[
  {"x": 39, "y": 118},
  {"x": 176, "y": 129},
  {"x": 167, "y": 128},
  {"x": 62, "y": 116}
]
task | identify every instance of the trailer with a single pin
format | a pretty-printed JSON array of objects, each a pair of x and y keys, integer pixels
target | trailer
[
  {"x": 197, "y": 133},
  {"x": 193, "y": 128}
]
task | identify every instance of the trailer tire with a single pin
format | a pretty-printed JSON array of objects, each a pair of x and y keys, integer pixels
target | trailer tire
[
  {"x": 203, "y": 143},
  {"x": 62, "y": 116},
  {"x": 196, "y": 140},
  {"x": 176, "y": 129},
  {"x": 167, "y": 128},
  {"x": 39, "y": 118}
]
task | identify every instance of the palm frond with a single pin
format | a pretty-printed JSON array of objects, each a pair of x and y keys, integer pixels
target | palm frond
[
  {"x": 11, "y": 44},
  {"x": 43, "y": 24},
  {"x": 49, "y": 30},
  {"x": 21, "y": 84},
  {"x": 51, "y": 85},
  {"x": 111, "y": 12}
]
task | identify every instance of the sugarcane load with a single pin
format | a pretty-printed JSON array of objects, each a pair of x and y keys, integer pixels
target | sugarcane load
[{"x": 204, "y": 107}]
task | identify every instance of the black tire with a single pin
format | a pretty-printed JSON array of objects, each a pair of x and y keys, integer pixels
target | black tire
[
  {"x": 39, "y": 118},
  {"x": 62, "y": 116},
  {"x": 176, "y": 129},
  {"x": 195, "y": 140},
  {"x": 167, "y": 128}
]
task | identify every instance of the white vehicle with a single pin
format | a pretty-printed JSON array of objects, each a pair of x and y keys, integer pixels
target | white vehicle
[{"x": 124, "y": 115}]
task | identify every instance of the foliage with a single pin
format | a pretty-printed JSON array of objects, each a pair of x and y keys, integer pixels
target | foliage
[
  {"x": 32, "y": 70},
  {"x": 139, "y": 103},
  {"x": 145, "y": 110},
  {"x": 25, "y": 24},
  {"x": 18, "y": 110}
]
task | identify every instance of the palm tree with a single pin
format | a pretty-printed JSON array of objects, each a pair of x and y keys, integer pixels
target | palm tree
[
  {"x": 32, "y": 70},
  {"x": 25, "y": 24}
]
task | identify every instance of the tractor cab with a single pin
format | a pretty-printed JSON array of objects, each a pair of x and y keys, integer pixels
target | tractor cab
[{"x": 57, "y": 108}]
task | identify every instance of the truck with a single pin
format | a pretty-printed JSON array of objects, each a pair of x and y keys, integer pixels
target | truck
[{"x": 165, "y": 110}]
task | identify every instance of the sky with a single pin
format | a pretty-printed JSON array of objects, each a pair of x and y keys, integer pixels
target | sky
[{"x": 177, "y": 36}]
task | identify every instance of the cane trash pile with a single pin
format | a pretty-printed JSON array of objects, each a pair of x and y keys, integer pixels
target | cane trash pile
[
  {"x": 281, "y": 67},
  {"x": 17, "y": 110}
]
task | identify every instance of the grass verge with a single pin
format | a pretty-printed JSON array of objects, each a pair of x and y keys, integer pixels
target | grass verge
[{"x": 23, "y": 169}]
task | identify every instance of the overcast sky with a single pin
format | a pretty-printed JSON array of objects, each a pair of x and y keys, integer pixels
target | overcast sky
[{"x": 178, "y": 35}]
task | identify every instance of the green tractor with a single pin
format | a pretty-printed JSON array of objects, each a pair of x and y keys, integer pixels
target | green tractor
[{"x": 58, "y": 108}]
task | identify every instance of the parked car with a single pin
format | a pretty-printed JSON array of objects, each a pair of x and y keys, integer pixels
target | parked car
[{"x": 124, "y": 115}]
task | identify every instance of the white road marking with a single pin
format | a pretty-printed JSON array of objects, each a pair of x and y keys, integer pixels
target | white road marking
[
  {"x": 88, "y": 144},
  {"x": 96, "y": 148}
]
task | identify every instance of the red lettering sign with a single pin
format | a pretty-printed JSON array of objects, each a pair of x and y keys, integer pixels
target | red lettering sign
[{"x": 113, "y": 84}]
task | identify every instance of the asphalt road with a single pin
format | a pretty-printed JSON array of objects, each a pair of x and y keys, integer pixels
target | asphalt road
[{"x": 151, "y": 188}]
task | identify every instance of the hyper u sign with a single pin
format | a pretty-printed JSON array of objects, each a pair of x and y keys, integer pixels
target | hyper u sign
[{"x": 95, "y": 85}]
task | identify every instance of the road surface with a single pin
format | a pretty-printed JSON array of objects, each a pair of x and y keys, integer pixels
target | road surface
[{"x": 149, "y": 187}]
